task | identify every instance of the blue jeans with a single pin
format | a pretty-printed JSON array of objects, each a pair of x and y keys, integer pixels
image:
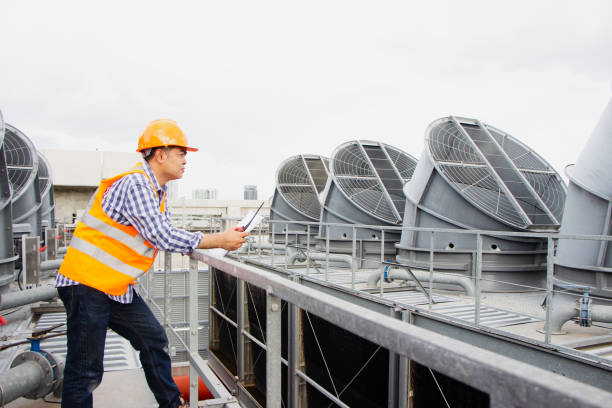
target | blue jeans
[{"x": 89, "y": 314}]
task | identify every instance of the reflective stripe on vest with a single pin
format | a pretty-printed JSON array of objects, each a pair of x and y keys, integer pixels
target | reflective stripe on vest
[
  {"x": 104, "y": 257},
  {"x": 105, "y": 254},
  {"x": 137, "y": 243}
]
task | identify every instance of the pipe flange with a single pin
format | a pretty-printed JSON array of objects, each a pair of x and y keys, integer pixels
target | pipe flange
[{"x": 52, "y": 369}]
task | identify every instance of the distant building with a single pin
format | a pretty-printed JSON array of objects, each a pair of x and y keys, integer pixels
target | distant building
[
  {"x": 250, "y": 192},
  {"x": 204, "y": 194}
]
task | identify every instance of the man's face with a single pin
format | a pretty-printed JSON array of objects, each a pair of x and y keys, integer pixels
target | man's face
[{"x": 174, "y": 163}]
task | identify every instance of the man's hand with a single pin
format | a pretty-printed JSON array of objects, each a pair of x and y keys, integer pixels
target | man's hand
[
  {"x": 228, "y": 239},
  {"x": 232, "y": 239}
]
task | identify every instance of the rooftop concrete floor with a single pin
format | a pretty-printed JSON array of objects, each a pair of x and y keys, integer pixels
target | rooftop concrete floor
[{"x": 126, "y": 388}]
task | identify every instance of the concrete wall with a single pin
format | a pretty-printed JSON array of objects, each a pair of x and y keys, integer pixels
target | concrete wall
[
  {"x": 221, "y": 208},
  {"x": 71, "y": 200}
]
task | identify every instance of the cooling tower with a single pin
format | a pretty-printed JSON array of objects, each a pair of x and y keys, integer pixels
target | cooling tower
[
  {"x": 7, "y": 257},
  {"x": 365, "y": 187},
  {"x": 22, "y": 163},
  {"x": 299, "y": 181},
  {"x": 474, "y": 176},
  {"x": 587, "y": 211},
  {"x": 45, "y": 179}
]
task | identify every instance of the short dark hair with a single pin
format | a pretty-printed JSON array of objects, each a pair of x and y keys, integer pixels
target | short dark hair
[{"x": 149, "y": 155}]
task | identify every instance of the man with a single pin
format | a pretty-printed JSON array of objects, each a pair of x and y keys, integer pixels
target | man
[{"x": 114, "y": 243}]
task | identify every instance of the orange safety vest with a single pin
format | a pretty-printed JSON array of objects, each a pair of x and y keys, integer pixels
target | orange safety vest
[{"x": 105, "y": 254}]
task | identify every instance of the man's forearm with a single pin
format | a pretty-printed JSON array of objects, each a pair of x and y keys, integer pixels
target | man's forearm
[{"x": 229, "y": 239}]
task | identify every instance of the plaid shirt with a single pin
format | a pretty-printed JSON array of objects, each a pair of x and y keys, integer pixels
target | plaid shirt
[{"x": 131, "y": 200}]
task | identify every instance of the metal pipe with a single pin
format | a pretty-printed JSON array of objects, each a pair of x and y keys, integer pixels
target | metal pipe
[
  {"x": 61, "y": 250},
  {"x": 401, "y": 274},
  {"x": 565, "y": 308},
  {"x": 347, "y": 259},
  {"x": 25, "y": 297},
  {"x": 265, "y": 245},
  {"x": 51, "y": 265},
  {"x": 19, "y": 381}
]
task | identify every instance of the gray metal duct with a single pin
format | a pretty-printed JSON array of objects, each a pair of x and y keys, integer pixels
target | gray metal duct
[
  {"x": 588, "y": 211},
  {"x": 22, "y": 163},
  {"x": 474, "y": 176},
  {"x": 45, "y": 179},
  {"x": 365, "y": 187},
  {"x": 299, "y": 181},
  {"x": 7, "y": 256}
]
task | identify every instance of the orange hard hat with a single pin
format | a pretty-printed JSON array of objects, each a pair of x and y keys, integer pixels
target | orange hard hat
[{"x": 163, "y": 133}]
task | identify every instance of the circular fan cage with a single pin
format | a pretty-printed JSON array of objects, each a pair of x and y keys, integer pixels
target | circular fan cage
[
  {"x": 45, "y": 178},
  {"x": 22, "y": 162},
  {"x": 299, "y": 180},
  {"x": 7, "y": 257},
  {"x": 496, "y": 173},
  {"x": 371, "y": 175}
]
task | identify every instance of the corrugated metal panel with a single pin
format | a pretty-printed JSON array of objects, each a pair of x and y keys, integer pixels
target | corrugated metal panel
[
  {"x": 414, "y": 298},
  {"x": 118, "y": 353},
  {"x": 489, "y": 316}
]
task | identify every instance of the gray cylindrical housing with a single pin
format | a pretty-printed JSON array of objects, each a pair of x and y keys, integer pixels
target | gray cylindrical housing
[
  {"x": 22, "y": 163},
  {"x": 474, "y": 176},
  {"x": 7, "y": 256},
  {"x": 365, "y": 187},
  {"x": 588, "y": 211},
  {"x": 299, "y": 181},
  {"x": 45, "y": 179}
]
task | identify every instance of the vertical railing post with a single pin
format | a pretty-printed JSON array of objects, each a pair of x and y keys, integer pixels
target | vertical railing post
[
  {"x": 431, "y": 268},
  {"x": 477, "y": 278},
  {"x": 273, "y": 240},
  {"x": 292, "y": 355},
  {"x": 240, "y": 295},
  {"x": 259, "y": 242},
  {"x": 393, "y": 368},
  {"x": 354, "y": 256},
  {"x": 404, "y": 371},
  {"x": 382, "y": 262},
  {"x": 194, "y": 323},
  {"x": 327, "y": 251},
  {"x": 167, "y": 291},
  {"x": 550, "y": 265},
  {"x": 308, "y": 250},
  {"x": 286, "y": 246},
  {"x": 273, "y": 348}
]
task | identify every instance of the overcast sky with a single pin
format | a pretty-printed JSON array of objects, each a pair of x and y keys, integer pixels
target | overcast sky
[{"x": 252, "y": 83}]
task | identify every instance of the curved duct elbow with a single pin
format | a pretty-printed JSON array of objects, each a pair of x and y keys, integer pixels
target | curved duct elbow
[{"x": 464, "y": 282}]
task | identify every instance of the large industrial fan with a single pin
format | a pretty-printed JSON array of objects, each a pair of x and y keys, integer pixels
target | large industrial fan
[
  {"x": 23, "y": 162},
  {"x": 365, "y": 188},
  {"x": 7, "y": 256},
  {"x": 45, "y": 179},
  {"x": 299, "y": 181},
  {"x": 474, "y": 176}
]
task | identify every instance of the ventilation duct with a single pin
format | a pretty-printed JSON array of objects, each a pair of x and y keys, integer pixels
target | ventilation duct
[
  {"x": 365, "y": 187},
  {"x": 474, "y": 176},
  {"x": 22, "y": 163},
  {"x": 299, "y": 181},
  {"x": 588, "y": 211},
  {"x": 7, "y": 258},
  {"x": 45, "y": 179}
]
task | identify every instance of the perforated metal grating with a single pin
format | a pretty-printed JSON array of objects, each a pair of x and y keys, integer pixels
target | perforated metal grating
[
  {"x": 497, "y": 173},
  {"x": 300, "y": 179},
  {"x": 21, "y": 160},
  {"x": 372, "y": 175}
]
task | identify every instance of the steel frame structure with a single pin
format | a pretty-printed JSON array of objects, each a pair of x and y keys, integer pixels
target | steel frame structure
[{"x": 424, "y": 337}]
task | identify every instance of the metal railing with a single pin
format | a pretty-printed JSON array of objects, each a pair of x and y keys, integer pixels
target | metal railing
[{"x": 506, "y": 381}]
